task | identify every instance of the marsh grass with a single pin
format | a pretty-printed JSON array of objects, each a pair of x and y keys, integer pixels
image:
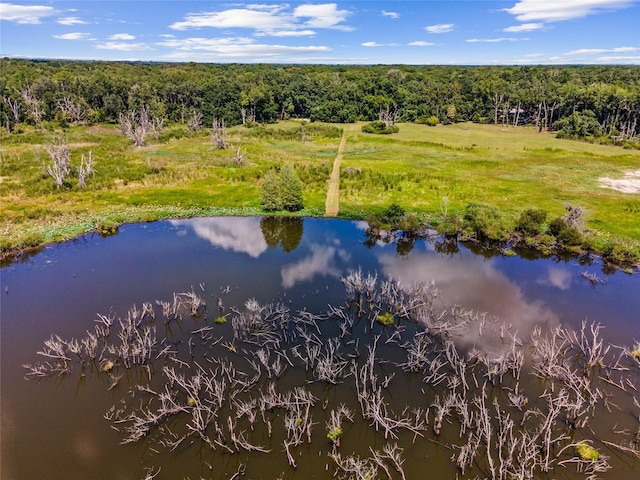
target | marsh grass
[{"x": 182, "y": 174}]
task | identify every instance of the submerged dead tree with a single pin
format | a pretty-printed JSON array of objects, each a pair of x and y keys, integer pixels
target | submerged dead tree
[{"x": 259, "y": 383}]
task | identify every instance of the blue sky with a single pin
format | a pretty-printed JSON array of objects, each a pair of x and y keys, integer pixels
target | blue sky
[{"x": 353, "y": 32}]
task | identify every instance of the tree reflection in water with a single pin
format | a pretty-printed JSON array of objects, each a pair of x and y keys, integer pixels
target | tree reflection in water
[{"x": 284, "y": 231}]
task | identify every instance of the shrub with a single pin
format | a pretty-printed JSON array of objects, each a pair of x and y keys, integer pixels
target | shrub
[
  {"x": 450, "y": 226},
  {"x": 620, "y": 251},
  {"x": 282, "y": 191},
  {"x": 392, "y": 215},
  {"x": 486, "y": 222},
  {"x": 565, "y": 234},
  {"x": 270, "y": 192},
  {"x": 531, "y": 222},
  {"x": 106, "y": 227},
  {"x": 290, "y": 190},
  {"x": 379, "y": 127},
  {"x": 432, "y": 121}
]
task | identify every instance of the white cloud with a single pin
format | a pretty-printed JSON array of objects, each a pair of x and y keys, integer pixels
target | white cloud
[
  {"x": 276, "y": 20},
  {"x": 393, "y": 15},
  {"x": 25, "y": 14},
  {"x": 495, "y": 40},
  {"x": 288, "y": 33},
  {"x": 73, "y": 36},
  {"x": 558, "y": 10},
  {"x": 232, "y": 47},
  {"x": 440, "y": 28},
  {"x": 322, "y": 16},
  {"x": 375, "y": 44},
  {"x": 525, "y": 27},
  {"x": 122, "y": 37},
  {"x": 123, "y": 46},
  {"x": 71, "y": 21},
  {"x": 420, "y": 43},
  {"x": 236, "y": 18},
  {"x": 619, "y": 59},
  {"x": 599, "y": 51}
]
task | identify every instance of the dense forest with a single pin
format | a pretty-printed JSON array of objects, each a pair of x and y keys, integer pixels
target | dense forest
[{"x": 600, "y": 102}]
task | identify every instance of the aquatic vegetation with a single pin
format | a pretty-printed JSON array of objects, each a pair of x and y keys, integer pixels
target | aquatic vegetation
[
  {"x": 586, "y": 452},
  {"x": 385, "y": 319}
]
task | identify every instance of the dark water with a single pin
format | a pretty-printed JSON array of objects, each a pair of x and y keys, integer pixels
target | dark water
[{"x": 54, "y": 427}]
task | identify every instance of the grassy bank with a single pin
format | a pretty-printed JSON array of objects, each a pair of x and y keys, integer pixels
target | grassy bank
[{"x": 421, "y": 168}]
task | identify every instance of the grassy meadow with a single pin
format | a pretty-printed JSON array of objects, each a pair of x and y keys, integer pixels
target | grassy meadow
[{"x": 182, "y": 174}]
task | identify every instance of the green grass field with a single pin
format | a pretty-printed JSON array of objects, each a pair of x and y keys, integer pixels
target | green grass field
[
  {"x": 182, "y": 174},
  {"x": 512, "y": 168}
]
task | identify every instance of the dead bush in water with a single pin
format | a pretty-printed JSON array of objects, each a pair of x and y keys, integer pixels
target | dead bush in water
[{"x": 260, "y": 382}]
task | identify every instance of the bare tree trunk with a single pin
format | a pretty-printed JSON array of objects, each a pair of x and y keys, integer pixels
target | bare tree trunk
[
  {"x": 15, "y": 108},
  {"x": 497, "y": 100}
]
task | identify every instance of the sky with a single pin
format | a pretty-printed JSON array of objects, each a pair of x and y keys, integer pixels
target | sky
[{"x": 459, "y": 32}]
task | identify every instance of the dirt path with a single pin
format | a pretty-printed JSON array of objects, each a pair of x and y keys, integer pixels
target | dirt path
[{"x": 332, "y": 205}]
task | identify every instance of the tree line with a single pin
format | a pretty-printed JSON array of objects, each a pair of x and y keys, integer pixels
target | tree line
[{"x": 578, "y": 101}]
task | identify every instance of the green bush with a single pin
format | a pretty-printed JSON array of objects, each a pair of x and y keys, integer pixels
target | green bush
[
  {"x": 566, "y": 235},
  {"x": 380, "y": 127},
  {"x": 392, "y": 215},
  {"x": 531, "y": 222},
  {"x": 485, "y": 222},
  {"x": 291, "y": 190},
  {"x": 450, "y": 226},
  {"x": 432, "y": 121},
  {"x": 282, "y": 191},
  {"x": 620, "y": 251}
]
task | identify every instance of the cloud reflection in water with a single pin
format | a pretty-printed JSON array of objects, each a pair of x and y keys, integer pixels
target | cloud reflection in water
[
  {"x": 237, "y": 236},
  {"x": 473, "y": 283},
  {"x": 320, "y": 262}
]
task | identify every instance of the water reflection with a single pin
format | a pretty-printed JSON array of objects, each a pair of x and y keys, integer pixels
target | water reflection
[
  {"x": 285, "y": 231},
  {"x": 556, "y": 277},
  {"x": 475, "y": 284},
  {"x": 237, "y": 236},
  {"x": 321, "y": 262},
  {"x": 306, "y": 256}
]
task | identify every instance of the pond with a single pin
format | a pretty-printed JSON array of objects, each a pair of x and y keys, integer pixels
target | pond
[{"x": 221, "y": 347}]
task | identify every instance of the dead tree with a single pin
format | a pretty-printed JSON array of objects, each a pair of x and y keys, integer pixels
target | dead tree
[
  {"x": 388, "y": 116},
  {"x": 85, "y": 169},
  {"x": 33, "y": 104},
  {"x": 157, "y": 124},
  {"x": 574, "y": 217},
  {"x": 219, "y": 134},
  {"x": 195, "y": 121},
  {"x": 60, "y": 168},
  {"x": 135, "y": 125},
  {"x": 238, "y": 157},
  {"x": 14, "y": 106},
  {"x": 74, "y": 111}
]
